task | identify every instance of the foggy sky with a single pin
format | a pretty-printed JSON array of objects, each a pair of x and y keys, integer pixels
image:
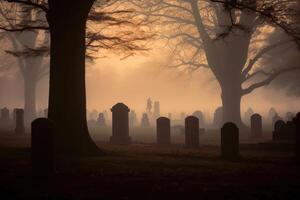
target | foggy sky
[{"x": 111, "y": 80}]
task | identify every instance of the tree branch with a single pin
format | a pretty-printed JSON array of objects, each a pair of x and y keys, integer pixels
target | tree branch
[{"x": 268, "y": 80}]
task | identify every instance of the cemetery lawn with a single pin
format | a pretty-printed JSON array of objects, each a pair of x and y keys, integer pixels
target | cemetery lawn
[{"x": 146, "y": 171}]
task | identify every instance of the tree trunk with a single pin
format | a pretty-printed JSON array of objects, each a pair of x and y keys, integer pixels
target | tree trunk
[
  {"x": 67, "y": 95},
  {"x": 30, "y": 99},
  {"x": 231, "y": 101}
]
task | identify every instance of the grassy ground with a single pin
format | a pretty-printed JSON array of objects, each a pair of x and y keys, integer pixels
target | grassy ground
[{"x": 148, "y": 171}]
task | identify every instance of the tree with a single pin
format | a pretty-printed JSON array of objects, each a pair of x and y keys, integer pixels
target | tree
[
  {"x": 228, "y": 35},
  {"x": 29, "y": 51},
  {"x": 66, "y": 22}
]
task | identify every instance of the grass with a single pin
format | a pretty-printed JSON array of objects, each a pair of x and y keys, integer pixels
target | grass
[{"x": 146, "y": 171}]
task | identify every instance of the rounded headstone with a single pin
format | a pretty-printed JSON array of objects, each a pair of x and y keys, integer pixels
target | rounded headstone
[
  {"x": 256, "y": 125},
  {"x": 19, "y": 121},
  {"x": 120, "y": 124},
  {"x": 163, "y": 129},
  {"x": 230, "y": 141},
  {"x": 42, "y": 147},
  {"x": 192, "y": 131}
]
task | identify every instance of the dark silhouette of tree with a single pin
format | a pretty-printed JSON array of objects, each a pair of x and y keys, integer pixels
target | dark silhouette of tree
[
  {"x": 222, "y": 37},
  {"x": 67, "y": 21}
]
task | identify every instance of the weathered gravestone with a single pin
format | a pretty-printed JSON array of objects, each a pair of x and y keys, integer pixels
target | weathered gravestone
[
  {"x": 19, "y": 121},
  {"x": 256, "y": 125},
  {"x": 42, "y": 147},
  {"x": 163, "y": 130},
  {"x": 296, "y": 121},
  {"x": 101, "y": 120},
  {"x": 277, "y": 132},
  {"x": 230, "y": 141},
  {"x": 120, "y": 124},
  {"x": 192, "y": 132},
  {"x": 145, "y": 121}
]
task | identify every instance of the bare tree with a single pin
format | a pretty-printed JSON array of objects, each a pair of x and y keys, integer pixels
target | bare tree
[
  {"x": 29, "y": 51},
  {"x": 226, "y": 39},
  {"x": 67, "y": 21}
]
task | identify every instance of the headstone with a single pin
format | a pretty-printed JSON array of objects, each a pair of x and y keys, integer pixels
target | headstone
[
  {"x": 42, "y": 147},
  {"x": 132, "y": 118},
  {"x": 120, "y": 124},
  {"x": 182, "y": 116},
  {"x": 256, "y": 125},
  {"x": 218, "y": 117},
  {"x": 230, "y": 141},
  {"x": 248, "y": 115},
  {"x": 145, "y": 123},
  {"x": 106, "y": 117},
  {"x": 101, "y": 120},
  {"x": 192, "y": 132},
  {"x": 93, "y": 115},
  {"x": 289, "y": 131},
  {"x": 19, "y": 121},
  {"x": 275, "y": 119},
  {"x": 296, "y": 121},
  {"x": 163, "y": 129},
  {"x": 5, "y": 115},
  {"x": 200, "y": 116},
  {"x": 272, "y": 113},
  {"x": 278, "y": 129},
  {"x": 289, "y": 116},
  {"x": 46, "y": 112}
]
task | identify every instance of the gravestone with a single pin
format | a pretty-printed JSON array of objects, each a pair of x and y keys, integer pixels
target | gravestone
[
  {"x": 256, "y": 125},
  {"x": 289, "y": 116},
  {"x": 163, "y": 130},
  {"x": 145, "y": 121},
  {"x": 120, "y": 124},
  {"x": 192, "y": 132},
  {"x": 19, "y": 121},
  {"x": 272, "y": 113},
  {"x": 46, "y": 112},
  {"x": 101, "y": 120},
  {"x": 247, "y": 115},
  {"x": 290, "y": 131},
  {"x": 182, "y": 116},
  {"x": 277, "y": 132},
  {"x": 5, "y": 115},
  {"x": 132, "y": 118},
  {"x": 218, "y": 117},
  {"x": 42, "y": 147},
  {"x": 230, "y": 141},
  {"x": 275, "y": 119},
  {"x": 296, "y": 121},
  {"x": 200, "y": 116}
]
